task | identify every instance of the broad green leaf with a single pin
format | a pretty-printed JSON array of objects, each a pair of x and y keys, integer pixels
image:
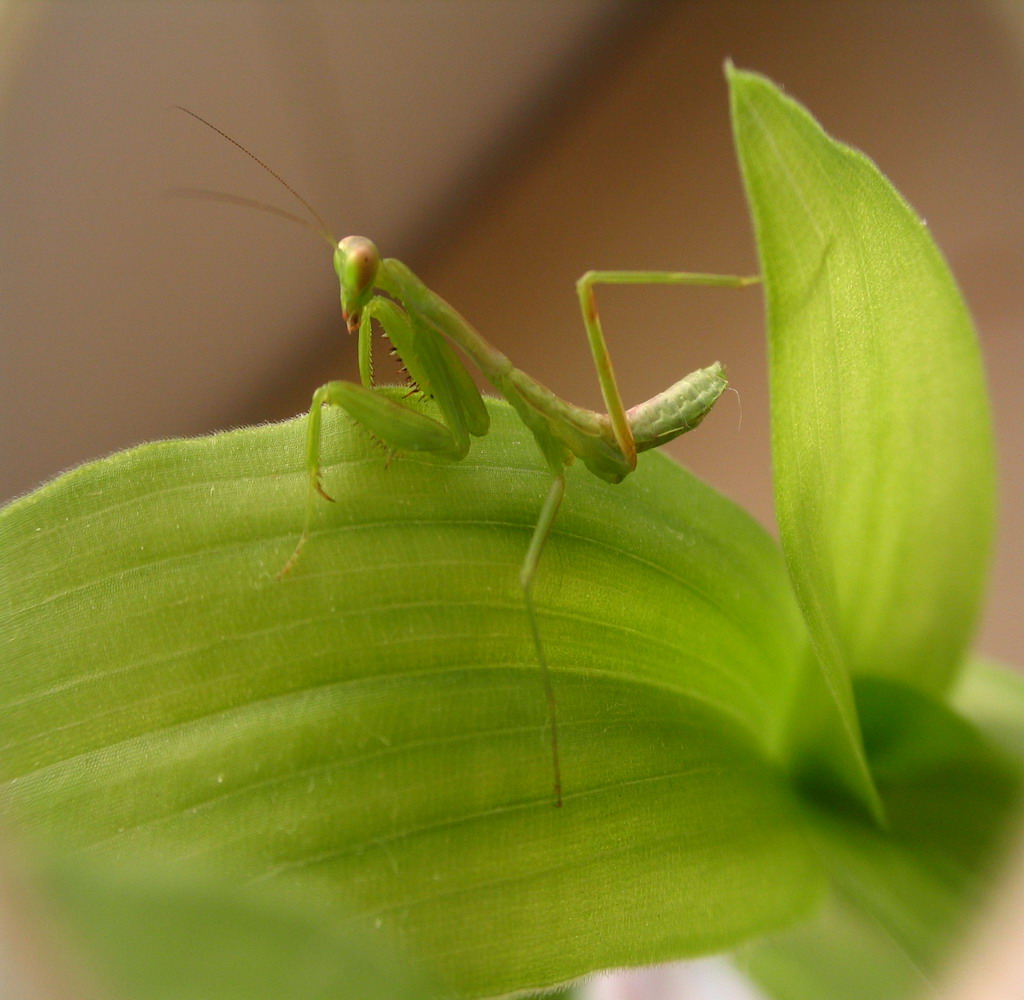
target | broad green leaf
[
  {"x": 370, "y": 732},
  {"x": 901, "y": 896},
  {"x": 880, "y": 426}
]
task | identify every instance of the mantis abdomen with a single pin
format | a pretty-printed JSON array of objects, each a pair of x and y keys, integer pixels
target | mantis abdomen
[{"x": 677, "y": 409}]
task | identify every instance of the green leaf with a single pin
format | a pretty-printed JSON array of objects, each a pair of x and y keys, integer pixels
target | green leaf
[
  {"x": 883, "y": 472},
  {"x": 150, "y": 934},
  {"x": 840, "y": 954},
  {"x": 992, "y": 697},
  {"x": 881, "y": 434},
  {"x": 901, "y": 896},
  {"x": 370, "y": 733}
]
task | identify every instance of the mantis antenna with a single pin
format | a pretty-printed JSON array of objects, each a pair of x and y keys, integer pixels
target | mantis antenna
[{"x": 321, "y": 227}]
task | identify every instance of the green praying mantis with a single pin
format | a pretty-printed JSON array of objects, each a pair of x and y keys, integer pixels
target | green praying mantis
[{"x": 424, "y": 331}]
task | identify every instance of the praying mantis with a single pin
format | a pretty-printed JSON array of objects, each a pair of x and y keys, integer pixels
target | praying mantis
[{"x": 424, "y": 331}]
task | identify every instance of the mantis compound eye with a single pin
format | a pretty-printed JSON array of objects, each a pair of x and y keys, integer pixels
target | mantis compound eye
[{"x": 356, "y": 260}]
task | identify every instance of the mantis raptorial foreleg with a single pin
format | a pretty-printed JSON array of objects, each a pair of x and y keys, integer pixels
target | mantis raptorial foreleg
[
  {"x": 398, "y": 427},
  {"x": 424, "y": 329}
]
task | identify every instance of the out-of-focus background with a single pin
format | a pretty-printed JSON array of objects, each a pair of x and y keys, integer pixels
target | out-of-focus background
[{"x": 500, "y": 149}]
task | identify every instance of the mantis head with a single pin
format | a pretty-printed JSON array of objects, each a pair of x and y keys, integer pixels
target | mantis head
[{"x": 356, "y": 260}]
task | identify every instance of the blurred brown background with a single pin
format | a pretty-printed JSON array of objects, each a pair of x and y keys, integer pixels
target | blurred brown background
[{"x": 500, "y": 148}]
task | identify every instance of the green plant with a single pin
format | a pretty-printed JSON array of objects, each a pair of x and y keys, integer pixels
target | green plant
[{"x": 782, "y": 752}]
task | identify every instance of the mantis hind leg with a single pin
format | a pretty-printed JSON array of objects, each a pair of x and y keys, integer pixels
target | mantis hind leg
[
  {"x": 599, "y": 349},
  {"x": 527, "y": 573}
]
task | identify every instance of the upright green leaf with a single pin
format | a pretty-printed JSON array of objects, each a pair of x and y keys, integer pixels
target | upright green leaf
[
  {"x": 880, "y": 425},
  {"x": 370, "y": 733},
  {"x": 883, "y": 474}
]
